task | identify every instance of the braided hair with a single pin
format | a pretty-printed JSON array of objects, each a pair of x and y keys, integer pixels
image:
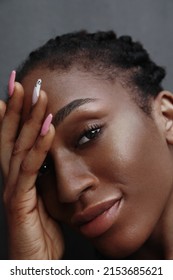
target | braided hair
[{"x": 105, "y": 55}]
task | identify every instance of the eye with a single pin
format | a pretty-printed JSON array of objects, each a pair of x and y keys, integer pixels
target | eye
[
  {"x": 89, "y": 134},
  {"x": 46, "y": 167}
]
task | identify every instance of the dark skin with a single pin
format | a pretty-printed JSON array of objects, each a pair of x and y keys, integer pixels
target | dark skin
[{"x": 126, "y": 157}]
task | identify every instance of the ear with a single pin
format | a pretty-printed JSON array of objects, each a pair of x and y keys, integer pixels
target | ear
[{"x": 164, "y": 106}]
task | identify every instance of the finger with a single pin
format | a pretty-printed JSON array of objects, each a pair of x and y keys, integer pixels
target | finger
[
  {"x": 31, "y": 128},
  {"x": 10, "y": 126},
  {"x": 2, "y": 110},
  {"x": 2, "y": 113},
  {"x": 25, "y": 186},
  {"x": 27, "y": 137},
  {"x": 37, "y": 154}
]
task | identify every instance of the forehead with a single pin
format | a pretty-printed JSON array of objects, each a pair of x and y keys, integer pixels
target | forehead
[{"x": 63, "y": 88}]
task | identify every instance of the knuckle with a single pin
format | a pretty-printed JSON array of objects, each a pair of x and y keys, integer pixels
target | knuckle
[
  {"x": 28, "y": 167},
  {"x": 17, "y": 148},
  {"x": 25, "y": 167}
]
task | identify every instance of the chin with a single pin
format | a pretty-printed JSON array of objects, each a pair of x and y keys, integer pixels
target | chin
[
  {"x": 121, "y": 247},
  {"x": 115, "y": 253}
]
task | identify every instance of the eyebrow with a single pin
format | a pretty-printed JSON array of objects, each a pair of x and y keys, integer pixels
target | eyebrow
[{"x": 69, "y": 108}]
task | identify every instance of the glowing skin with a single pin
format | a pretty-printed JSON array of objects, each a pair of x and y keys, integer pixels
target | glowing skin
[{"x": 128, "y": 160}]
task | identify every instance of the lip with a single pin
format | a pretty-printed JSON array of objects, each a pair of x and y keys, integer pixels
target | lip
[{"x": 97, "y": 219}]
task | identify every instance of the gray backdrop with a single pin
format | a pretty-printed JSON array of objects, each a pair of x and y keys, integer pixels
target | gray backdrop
[{"x": 26, "y": 24}]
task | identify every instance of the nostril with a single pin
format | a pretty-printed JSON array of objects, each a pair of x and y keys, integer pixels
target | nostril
[
  {"x": 72, "y": 193},
  {"x": 86, "y": 193},
  {"x": 73, "y": 178},
  {"x": 88, "y": 189}
]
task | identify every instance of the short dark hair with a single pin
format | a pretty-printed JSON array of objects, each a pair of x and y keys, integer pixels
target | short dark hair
[{"x": 103, "y": 54}]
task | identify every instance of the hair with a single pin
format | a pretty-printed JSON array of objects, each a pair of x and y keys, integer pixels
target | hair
[{"x": 103, "y": 54}]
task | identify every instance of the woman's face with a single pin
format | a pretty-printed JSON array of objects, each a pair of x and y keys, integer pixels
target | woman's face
[{"x": 109, "y": 171}]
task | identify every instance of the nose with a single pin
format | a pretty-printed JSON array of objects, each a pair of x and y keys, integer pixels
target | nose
[{"x": 73, "y": 178}]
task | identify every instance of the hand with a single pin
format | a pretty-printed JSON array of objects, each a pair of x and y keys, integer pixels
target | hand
[{"x": 33, "y": 234}]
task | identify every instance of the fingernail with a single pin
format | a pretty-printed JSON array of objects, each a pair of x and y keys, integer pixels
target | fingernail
[
  {"x": 36, "y": 92},
  {"x": 46, "y": 125},
  {"x": 11, "y": 83}
]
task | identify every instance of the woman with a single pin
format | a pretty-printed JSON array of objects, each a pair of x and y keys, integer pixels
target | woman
[{"x": 92, "y": 148}]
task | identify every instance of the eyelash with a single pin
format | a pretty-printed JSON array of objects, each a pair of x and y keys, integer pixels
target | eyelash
[
  {"x": 91, "y": 128},
  {"x": 45, "y": 168}
]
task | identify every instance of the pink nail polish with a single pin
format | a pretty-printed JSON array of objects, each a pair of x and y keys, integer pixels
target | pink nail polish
[
  {"x": 11, "y": 83},
  {"x": 46, "y": 125}
]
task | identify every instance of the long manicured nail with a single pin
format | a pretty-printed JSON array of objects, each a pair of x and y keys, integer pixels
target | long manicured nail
[
  {"x": 36, "y": 92},
  {"x": 11, "y": 83},
  {"x": 46, "y": 125}
]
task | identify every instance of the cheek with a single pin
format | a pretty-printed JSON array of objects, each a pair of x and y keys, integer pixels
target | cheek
[
  {"x": 137, "y": 157},
  {"x": 134, "y": 154}
]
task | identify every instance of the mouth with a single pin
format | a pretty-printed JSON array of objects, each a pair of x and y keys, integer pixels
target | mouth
[{"x": 96, "y": 220}]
